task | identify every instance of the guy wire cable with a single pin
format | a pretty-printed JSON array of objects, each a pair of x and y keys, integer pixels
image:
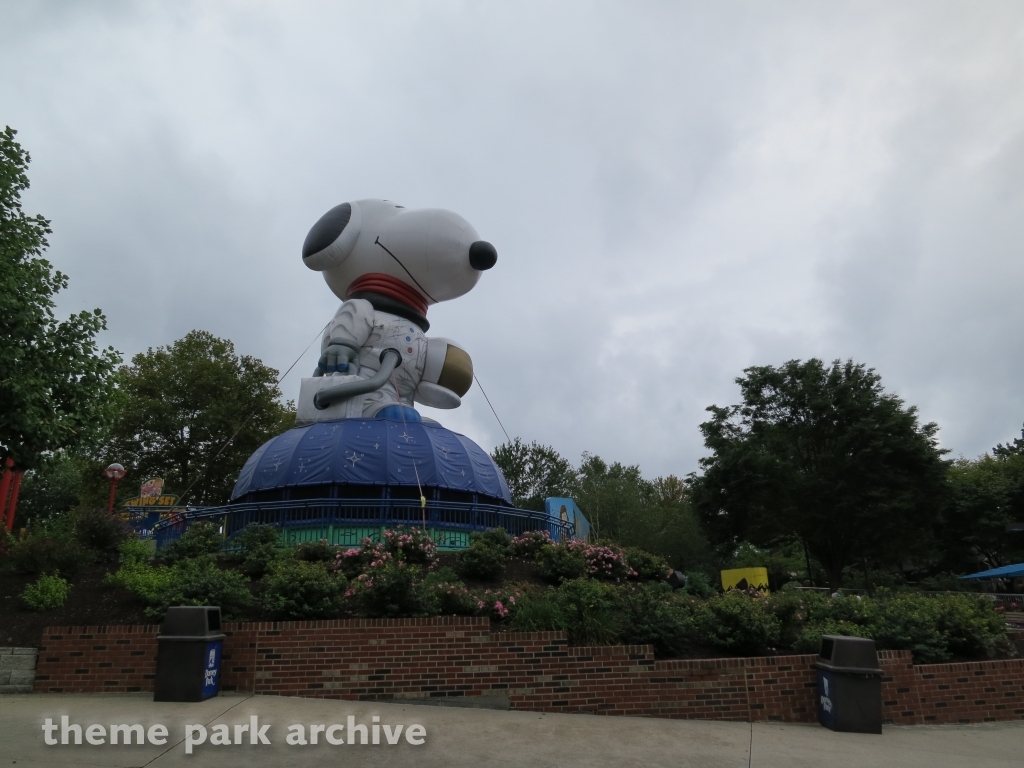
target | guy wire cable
[
  {"x": 246, "y": 420},
  {"x": 477, "y": 378},
  {"x": 423, "y": 499}
]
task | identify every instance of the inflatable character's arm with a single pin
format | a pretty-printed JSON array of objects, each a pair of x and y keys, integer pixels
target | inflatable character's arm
[
  {"x": 447, "y": 375},
  {"x": 346, "y": 334}
]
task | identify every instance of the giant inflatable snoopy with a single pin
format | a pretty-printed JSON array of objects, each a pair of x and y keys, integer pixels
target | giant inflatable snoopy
[{"x": 388, "y": 264}]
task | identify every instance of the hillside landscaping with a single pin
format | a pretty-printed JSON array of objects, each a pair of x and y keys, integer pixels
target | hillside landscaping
[{"x": 89, "y": 569}]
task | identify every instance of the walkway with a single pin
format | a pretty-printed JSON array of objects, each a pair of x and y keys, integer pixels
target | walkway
[{"x": 473, "y": 737}]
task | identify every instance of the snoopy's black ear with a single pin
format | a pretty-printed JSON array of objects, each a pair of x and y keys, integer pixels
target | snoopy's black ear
[
  {"x": 332, "y": 238},
  {"x": 482, "y": 255}
]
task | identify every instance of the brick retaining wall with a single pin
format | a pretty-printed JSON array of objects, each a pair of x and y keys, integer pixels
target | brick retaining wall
[{"x": 404, "y": 659}]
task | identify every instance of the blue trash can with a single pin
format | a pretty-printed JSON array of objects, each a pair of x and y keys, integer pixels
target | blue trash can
[
  {"x": 849, "y": 685},
  {"x": 188, "y": 654}
]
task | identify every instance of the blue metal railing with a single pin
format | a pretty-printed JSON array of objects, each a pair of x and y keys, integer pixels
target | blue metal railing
[{"x": 365, "y": 513}]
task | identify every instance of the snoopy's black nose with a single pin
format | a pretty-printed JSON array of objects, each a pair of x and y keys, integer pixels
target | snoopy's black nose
[{"x": 482, "y": 255}]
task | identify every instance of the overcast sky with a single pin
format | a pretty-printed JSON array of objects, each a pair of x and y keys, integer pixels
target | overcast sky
[{"x": 676, "y": 191}]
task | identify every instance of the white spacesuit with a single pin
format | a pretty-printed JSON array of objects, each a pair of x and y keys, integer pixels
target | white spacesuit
[{"x": 389, "y": 264}]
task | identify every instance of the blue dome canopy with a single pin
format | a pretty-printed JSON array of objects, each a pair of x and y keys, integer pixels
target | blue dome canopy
[{"x": 372, "y": 452}]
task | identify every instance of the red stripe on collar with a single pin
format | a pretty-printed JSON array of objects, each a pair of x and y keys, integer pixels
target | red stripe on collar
[{"x": 390, "y": 286}]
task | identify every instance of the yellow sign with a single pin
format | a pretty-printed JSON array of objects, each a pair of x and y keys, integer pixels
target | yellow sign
[
  {"x": 745, "y": 578},
  {"x": 151, "y": 501}
]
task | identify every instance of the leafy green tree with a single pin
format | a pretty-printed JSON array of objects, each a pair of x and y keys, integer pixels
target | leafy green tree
[
  {"x": 535, "y": 472},
  {"x": 1016, "y": 448},
  {"x": 613, "y": 497},
  {"x": 54, "y": 380},
  {"x": 192, "y": 413},
  {"x": 655, "y": 515},
  {"x": 987, "y": 494},
  {"x": 822, "y": 455},
  {"x": 52, "y": 488}
]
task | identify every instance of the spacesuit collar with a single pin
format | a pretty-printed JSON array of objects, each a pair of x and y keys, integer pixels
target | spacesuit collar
[
  {"x": 382, "y": 303},
  {"x": 389, "y": 286}
]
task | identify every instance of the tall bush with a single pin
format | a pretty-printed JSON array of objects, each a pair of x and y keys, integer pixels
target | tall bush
[
  {"x": 388, "y": 589},
  {"x": 646, "y": 566},
  {"x": 479, "y": 561},
  {"x": 39, "y": 553},
  {"x": 590, "y": 609},
  {"x": 303, "y": 590},
  {"x": 561, "y": 562},
  {"x": 653, "y": 614},
  {"x": 100, "y": 531},
  {"x": 202, "y": 538},
  {"x": 737, "y": 623}
]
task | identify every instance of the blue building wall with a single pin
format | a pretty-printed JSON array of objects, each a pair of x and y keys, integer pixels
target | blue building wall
[{"x": 566, "y": 509}]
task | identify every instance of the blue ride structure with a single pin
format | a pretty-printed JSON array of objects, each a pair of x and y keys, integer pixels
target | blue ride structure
[{"x": 347, "y": 480}]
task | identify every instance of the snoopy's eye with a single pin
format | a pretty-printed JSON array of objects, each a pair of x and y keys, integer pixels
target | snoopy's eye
[{"x": 327, "y": 229}]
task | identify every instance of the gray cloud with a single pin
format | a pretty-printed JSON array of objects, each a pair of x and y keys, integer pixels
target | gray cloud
[{"x": 676, "y": 191}]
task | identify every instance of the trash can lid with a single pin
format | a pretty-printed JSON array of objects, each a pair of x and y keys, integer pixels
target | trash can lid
[
  {"x": 191, "y": 622},
  {"x": 855, "y": 655}
]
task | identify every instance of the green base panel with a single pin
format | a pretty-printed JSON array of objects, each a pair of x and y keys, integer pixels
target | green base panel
[{"x": 353, "y": 536}]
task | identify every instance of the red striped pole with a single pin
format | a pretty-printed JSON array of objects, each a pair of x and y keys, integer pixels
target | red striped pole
[
  {"x": 14, "y": 499},
  {"x": 5, "y": 487}
]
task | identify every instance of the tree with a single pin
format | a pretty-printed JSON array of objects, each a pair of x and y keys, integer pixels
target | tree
[
  {"x": 52, "y": 488},
  {"x": 822, "y": 455},
  {"x": 1016, "y": 448},
  {"x": 654, "y": 515},
  {"x": 54, "y": 380},
  {"x": 179, "y": 408},
  {"x": 535, "y": 472},
  {"x": 613, "y": 497},
  {"x": 987, "y": 494}
]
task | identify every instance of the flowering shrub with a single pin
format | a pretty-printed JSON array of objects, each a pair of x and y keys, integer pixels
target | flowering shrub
[
  {"x": 497, "y": 603},
  {"x": 530, "y": 544},
  {"x": 411, "y": 545},
  {"x": 449, "y": 598},
  {"x": 561, "y": 562},
  {"x": 647, "y": 566},
  {"x": 607, "y": 563},
  {"x": 575, "y": 559},
  {"x": 388, "y": 589},
  {"x": 353, "y": 561}
]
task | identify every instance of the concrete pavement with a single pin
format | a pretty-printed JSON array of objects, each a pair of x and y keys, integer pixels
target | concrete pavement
[{"x": 469, "y": 737}]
